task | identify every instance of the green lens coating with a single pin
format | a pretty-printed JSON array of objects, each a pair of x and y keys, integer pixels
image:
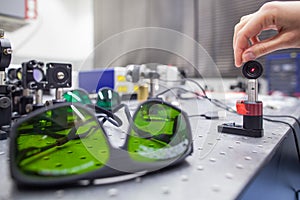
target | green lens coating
[
  {"x": 159, "y": 132},
  {"x": 61, "y": 142},
  {"x": 108, "y": 98},
  {"x": 80, "y": 96}
]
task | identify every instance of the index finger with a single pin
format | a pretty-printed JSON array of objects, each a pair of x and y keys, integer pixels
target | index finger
[{"x": 244, "y": 20}]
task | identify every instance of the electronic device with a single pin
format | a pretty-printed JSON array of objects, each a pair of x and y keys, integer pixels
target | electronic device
[
  {"x": 283, "y": 74},
  {"x": 127, "y": 81},
  {"x": 114, "y": 78}
]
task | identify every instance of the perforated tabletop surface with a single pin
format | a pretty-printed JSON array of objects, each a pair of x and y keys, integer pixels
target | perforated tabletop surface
[{"x": 221, "y": 166}]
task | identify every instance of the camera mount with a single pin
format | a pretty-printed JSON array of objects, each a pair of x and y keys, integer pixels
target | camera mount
[{"x": 251, "y": 109}]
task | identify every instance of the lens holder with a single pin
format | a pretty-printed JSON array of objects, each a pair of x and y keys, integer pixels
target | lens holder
[
  {"x": 12, "y": 74},
  {"x": 252, "y": 69},
  {"x": 59, "y": 75},
  {"x": 33, "y": 76}
]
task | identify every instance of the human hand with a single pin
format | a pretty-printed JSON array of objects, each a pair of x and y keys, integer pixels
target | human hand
[{"x": 281, "y": 16}]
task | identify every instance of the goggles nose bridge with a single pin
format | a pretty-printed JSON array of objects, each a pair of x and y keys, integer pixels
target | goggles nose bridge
[{"x": 115, "y": 122}]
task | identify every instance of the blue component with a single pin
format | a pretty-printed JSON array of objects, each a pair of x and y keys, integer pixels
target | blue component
[{"x": 92, "y": 81}]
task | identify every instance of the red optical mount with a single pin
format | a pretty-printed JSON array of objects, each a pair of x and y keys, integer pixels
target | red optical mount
[{"x": 252, "y": 109}]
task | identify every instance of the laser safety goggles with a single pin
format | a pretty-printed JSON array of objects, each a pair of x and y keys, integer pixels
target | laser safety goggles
[{"x": 66, "y": 143}]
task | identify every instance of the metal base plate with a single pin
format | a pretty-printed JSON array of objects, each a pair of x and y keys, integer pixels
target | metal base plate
[{"x": 232, "y": 128}]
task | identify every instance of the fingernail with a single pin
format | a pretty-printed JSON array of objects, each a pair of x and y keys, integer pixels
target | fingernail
[
  {"x": 248, "y": 56},
  {"x": 238, "y": 65}
]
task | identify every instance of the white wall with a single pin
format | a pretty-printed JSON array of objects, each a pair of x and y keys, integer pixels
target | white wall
[{"x": 62, "y": 32}]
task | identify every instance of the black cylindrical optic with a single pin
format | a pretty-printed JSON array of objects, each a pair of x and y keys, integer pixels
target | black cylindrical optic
[{"x": 252, "y": 69}]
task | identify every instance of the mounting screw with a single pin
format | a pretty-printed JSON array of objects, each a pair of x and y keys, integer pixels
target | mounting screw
[{"x": 7, "y": 51}]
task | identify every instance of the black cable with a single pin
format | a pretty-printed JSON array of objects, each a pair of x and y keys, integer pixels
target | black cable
[
  {"x": 213, "y": 101},
  {"x": 288, "y": 116},
  {"x": 175, "y": 88},
  {"x": 210, "y": 115},
  {"x": 187, "y": 79},
  {"x": 220, "y": 104},
  {"x": 200, "y": 115},
  {"x": 293, "y": 131},
  {"x": 216, "y": 102}
]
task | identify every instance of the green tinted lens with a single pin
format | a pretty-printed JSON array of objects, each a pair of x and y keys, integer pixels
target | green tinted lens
[
  {"x": 60, "y": 142},
  {"x": 159, "y": 132},
  {"x": 108, "y": 99},
  {"x": 77, "y": 96}
]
